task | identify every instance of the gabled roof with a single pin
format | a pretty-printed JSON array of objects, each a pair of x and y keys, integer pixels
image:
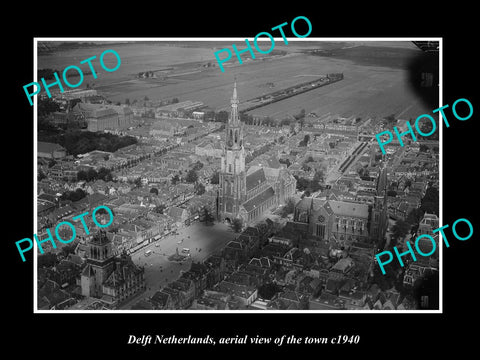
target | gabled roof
[
  {"x": 259, "y": 199},
  {"x": 255, "y": 178},
  {"x": 160, "y": 299},
  {"x": 343, "y": 208},
  {"x": 175, "y": 212}
]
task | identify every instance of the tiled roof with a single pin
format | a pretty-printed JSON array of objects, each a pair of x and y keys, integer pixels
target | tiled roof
[
  {"x": 255, "y": 178},
  {"x": 259, "y": 199},
  {"x": 349, "y": 209}
]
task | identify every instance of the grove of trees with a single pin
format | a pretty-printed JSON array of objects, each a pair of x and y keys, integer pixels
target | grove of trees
[
  {"x": 91, "y": 175},
  {"x": 215, "y": 178},
  {"x": 80, "y": 142},
  {"x": 191, "y": 176},
  {"x": 288, "y": 208},
  {"x": 206, "y": 216},
  {"x": 75, "y": 195}
]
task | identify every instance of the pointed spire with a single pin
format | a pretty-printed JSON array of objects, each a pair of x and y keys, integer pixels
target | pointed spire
[
  {"x": 234, "y": 99},
  {"x": 235, "y": 90}
]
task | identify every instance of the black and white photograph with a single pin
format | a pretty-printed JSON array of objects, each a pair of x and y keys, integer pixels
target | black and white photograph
[{"x": 254, "y": 183}]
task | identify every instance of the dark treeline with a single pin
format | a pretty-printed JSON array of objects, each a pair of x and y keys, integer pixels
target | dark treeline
[{"x": 80, "y": 142}]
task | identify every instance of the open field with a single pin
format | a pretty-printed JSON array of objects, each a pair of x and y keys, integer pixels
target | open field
[
  {"x": 368, "y": 90},
  {"x": 364, "y": 92}
]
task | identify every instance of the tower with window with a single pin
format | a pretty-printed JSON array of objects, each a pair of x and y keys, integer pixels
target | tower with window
[{"x": 232, "y": 176}]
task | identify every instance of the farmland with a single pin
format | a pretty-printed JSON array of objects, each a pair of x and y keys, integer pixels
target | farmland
[{"x": 375, "y": 83}]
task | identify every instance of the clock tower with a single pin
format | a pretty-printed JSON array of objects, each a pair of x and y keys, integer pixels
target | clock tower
[{"x": 232, "y": 177}]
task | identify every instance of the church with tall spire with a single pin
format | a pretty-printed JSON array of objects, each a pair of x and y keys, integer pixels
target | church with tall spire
[{"x": 247, "y": 193}]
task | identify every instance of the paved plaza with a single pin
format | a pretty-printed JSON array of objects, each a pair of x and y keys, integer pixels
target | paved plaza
[{"x": 201, "y": 240}]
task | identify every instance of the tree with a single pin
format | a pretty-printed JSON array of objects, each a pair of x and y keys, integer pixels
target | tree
[
  {"x": 285, "y": 161},
  {"x": 46, "y": 260},
  {"x": 138, "y": 182},
  {"x": 215, "y": 178},
  {"x": 268, "y": 291},
  {"x": 237, "y": 225},
  {"x": 305, "y": 167},
  {"x": 399, "y": 231},
  {"x": 104, "y": 174},
  {"x": 390, "y": 119},
  {"x": 175, "y": 100},
  {"x": 363, "y": 172},
  {"x": 209, "y": 115},
  {"x": 47, "y": 106},
  {"x": 430, "y": 202},
  {"x": 154, "y": 191},
  {"x": 385, "y": 281},
  {"x": 91, "y": 175},
  {"x": 68, "y": 249},
  {"x": 127, "y": 101},
  {"x": 391, "y": 193},
  {"x": 175, "y": 179},
  {"x": 199, "y": 189},
  {"x": 302, "y": 183},
  {"x": 317, "y": 179},
  {"x": 221, "y": 116},
  {"x": 197, "y": 165},
  {"x": 191, "y": 177},
  {"x": 408, "y": 183},
  {"x": 288, "y": 208},
  {"x": 292, "y": 129},
  {"x": 41, "y": 175},
  {"x": 426, "y": 128},
  {"x": 301, "y": 121},
  {"x": 206, "y": 216},
  {"x": 300, "y": 116},
  {"x": 423, "y": 148},
  {"x": 159, "y": 209},
  {"x": 76, "y": 195},
  {"x": 414, "y": 216}
]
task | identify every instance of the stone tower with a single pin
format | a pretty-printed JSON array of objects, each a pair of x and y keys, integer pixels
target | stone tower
[
  {"x": 100, "y": 264},
  {"x": 232, "y": 177}
]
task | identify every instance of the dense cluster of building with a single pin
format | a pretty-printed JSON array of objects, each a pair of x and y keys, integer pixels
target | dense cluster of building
[{"x": 320, "y": 257}]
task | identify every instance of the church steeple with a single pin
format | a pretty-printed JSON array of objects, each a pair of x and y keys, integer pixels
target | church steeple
[
  {"x": 234, "y": 97},
  {"x": 232, "y": 177},
  {"x": 234, "y": 119},
  {"x": 234, "y": 138}
]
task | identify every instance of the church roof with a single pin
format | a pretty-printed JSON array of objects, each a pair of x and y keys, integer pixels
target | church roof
[
  {"x": 341, "y": 208},
  {"x": 272, "y": 172},
  {"x": 255, "y": 178},
  {"x": 259, "y": 199},
  {"x": 349, "y": 209}
]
